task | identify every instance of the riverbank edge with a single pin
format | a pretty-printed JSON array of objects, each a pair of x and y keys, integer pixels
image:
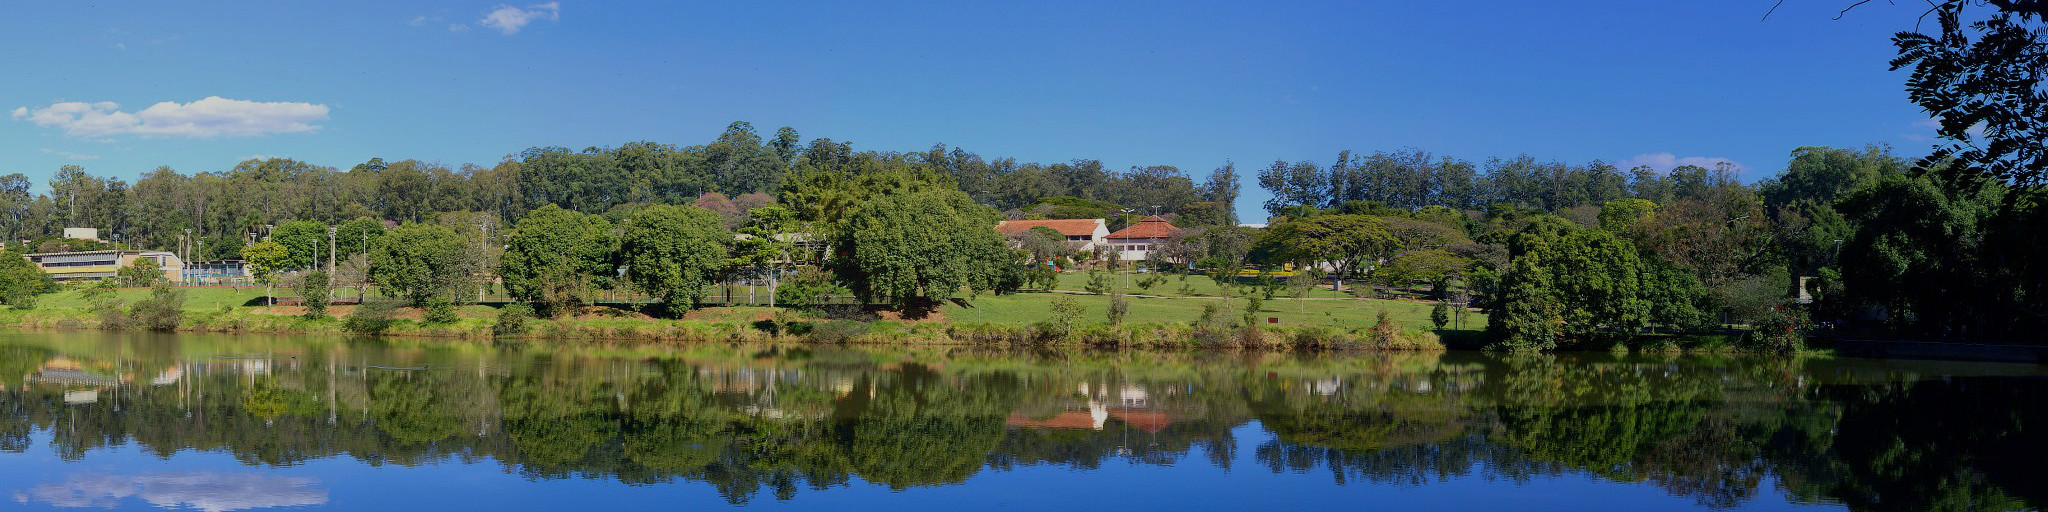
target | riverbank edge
[
  {"x": 656, "y": 333},
  {"x": 667, "y": 332}
]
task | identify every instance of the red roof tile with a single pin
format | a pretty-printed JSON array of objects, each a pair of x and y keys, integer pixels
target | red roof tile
[
  {"x": 1070, "y": 419},
  {"x": 1151, "y": 227},
  {"x": 1069, "y": 227},
  {"x": 1147, "y": 421}
]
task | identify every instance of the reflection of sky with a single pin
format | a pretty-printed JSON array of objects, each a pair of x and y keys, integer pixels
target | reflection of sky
[{"x": 208, "y": 491}]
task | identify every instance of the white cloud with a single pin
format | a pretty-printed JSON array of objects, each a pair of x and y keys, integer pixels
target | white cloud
[
  {"x": 67, "y": 155},
  {"x": 1667, "y": 161},
  {"x": 509, "y": 19},
  {"x": 211, "y": 492},
  {"x": 211, "y": 117},
  {"x": 458, "y": 27},
  {"x": 419, "y": 20}
]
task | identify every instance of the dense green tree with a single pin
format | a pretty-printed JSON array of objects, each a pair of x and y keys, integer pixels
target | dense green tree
[
  {"x": 555, "y": 256},
  {"x": 304, "y": 240},
  {"x": 315, "y": 290},
  {"x": 1598, "y": 281},
  {"x": 1529, "y": 316},
  {"x": 357, "y": 236},
  {"x": 20, "y": 281},
  {"x": 421, "y": 262},
  {"x": 673, "y": 252},
  {"x": 914, "y": 248}
]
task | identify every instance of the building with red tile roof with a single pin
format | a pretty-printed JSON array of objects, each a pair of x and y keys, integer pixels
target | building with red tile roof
[
  {"x": 1082, "y": 234},
  {"x": 1137, "y": 241}
]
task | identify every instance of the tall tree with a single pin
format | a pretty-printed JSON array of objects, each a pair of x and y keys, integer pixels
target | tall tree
[
  {"x": 916, "y": 247},
  {"x": 673, "y": 252},
  {"x": 421, "y": 262},
  {"x": 555, "y": 256}
]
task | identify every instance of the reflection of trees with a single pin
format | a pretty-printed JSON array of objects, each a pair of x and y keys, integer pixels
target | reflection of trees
[
  {"x": 751, "y": 424},
  {"x": 919, "y": 429}
]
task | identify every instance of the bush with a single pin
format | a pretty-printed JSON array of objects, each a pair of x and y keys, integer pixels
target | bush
[
  {"x": 1780, "y": 330},
  {"x": 162, "y": 311},
  {"x": 372, "y": 317},
  {"x": 104, "y": 303},
  {"x": 1384, "y": 333},
  {"x": 810, "y": 288},
  {"x": 836, "y": 331},
  {"x": 1065, "y": 313},
  {"x": 314, "y": 293},
  {"x": 512, "y": 319},
  {"x": 1119, "y": 307},
  {"x": 1440, "y": 315},
  {"x": 440, "y": 310},
  {"x": 1098, "y": 282},
  {"x": 1211, "y": 328}
]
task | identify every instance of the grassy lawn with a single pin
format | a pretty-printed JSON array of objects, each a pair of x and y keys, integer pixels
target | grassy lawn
[
  {"x": 1026, "y": 308},
  {"x": 1195, "y": 286},
  {"x": 196, "y": 299}
]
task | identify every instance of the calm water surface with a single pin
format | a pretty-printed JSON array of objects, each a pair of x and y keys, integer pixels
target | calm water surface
[{"x": 247, "y": 423}]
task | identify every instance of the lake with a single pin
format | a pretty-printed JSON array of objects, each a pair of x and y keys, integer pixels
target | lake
[{"x": 219, "y": 423}]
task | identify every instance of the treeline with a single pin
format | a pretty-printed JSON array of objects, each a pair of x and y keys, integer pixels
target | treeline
[
  {"x": 224, "y": 209},
  {"x": 1412, "y": 178},
  {"x": 1843, "y": 241}
]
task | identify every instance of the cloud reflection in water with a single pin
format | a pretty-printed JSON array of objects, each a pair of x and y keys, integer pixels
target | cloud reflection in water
[{"x": 208, "y": 491}]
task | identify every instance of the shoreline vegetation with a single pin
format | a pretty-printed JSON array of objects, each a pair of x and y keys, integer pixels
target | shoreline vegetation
[
  {"x": 1014, "y": 320},
  {"x": 1004, "y": 320}
]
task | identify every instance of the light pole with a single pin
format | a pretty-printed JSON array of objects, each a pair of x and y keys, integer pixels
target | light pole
[{"x": 331, "y": 231}]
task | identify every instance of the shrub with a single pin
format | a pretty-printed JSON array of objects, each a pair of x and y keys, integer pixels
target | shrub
[
  {"x": 512, "y": 319},
  {"x": 372, "y": 317},
  {"x": 1211, "y": 328},
  {"x": 1119, "y": 307},
  {"x": 1780, "y": 330},
  {"x": 440, "y": 310},
  {"x": 810, "y": 288},
  {"x": 162, "y": 311},
  {"x": 837, "y": 331},
  {"x": 1150, "y": 280},
  {"x": 314, "y": 293},
  {"x": 1440, "y": 315},
  {"x": 1098, "y": 282},
  {"x": 1384, "y": 333},
  {"x": 105, "y": 304}
]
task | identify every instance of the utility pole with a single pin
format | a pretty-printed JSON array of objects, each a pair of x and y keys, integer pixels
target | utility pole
[
  {"x": 483, "y": 236},
  {"x": 331, "y": 231}
]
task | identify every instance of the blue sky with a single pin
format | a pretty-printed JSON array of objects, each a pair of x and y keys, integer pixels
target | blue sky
[{"x": 1189, "y": 84}]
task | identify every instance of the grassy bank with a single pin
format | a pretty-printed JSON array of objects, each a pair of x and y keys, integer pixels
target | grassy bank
[{"x": 1015, "y": 319}]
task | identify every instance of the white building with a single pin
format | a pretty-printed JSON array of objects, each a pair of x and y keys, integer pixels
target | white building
[
  {"x": 1137, "y": 241},
  {"x": 1083, "y": 235}
]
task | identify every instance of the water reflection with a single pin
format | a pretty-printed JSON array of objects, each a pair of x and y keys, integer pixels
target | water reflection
[{"x": 775, "y": 421}]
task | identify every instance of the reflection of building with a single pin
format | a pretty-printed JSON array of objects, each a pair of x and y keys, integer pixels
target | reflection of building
[
  {"x": 67, "y": 266},
  {"x": 1131, "y": 405}
]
